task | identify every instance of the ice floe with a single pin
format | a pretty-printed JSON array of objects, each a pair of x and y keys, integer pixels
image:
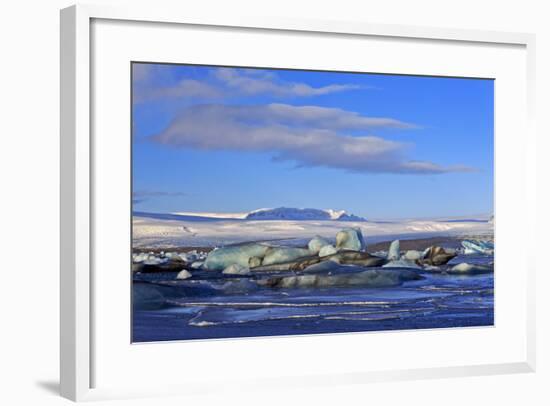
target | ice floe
[
  {"x": 327, "y": 250},
  {"x": 236, "y": 269},
  {"x": 184, "y": 274},
  {"x": 436, "y": 256},
  {"x": 373, "y": 278},
  {"x": 220, "y": 258},
  {"x": 394, "y": 251},
  {"x": 402, "y": 263},
  {"x": 413, "y": 255},
  {"x": 197, "y": 264},
  {"x": 478, "y": 247},
  {"x": 278, "y": 255},
  {"x": 466, "y": 268},
  {"x": 350, "y": 239},
  {"x": 316, "y": 244}
]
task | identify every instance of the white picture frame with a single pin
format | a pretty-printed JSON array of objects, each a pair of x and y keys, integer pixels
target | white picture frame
[{"x": 77, "y": 356}]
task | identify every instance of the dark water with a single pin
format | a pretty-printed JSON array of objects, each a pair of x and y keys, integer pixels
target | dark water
[{"x": 215, "y": 307}]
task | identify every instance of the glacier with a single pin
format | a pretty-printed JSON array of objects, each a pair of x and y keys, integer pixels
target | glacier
[{"x": 291, "y": 213}]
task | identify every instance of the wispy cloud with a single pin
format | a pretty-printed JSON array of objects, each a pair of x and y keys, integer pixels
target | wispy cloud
[
  {"x": 188, "y": 88},
  {"x": 149, "y": 84},
  {"x": 306, "y": 135},
  {"x": 155, "y": 83},
  {"x": 252, "y": 82}
]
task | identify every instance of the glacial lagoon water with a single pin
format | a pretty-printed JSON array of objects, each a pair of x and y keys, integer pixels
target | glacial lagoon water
[{"x": 215, "y": 306}]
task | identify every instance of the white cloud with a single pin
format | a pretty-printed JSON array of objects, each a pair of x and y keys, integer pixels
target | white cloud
[
  {"x": 150, "y": 83},
  {"x": 252, "y": 82},
  {"x": 322, "y": 117},
  {"x": 306, "y": 135},
  {"x": 187, "y": 88}
]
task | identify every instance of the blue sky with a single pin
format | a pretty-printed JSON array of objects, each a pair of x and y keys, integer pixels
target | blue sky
[{"x": 379, "y": 146}]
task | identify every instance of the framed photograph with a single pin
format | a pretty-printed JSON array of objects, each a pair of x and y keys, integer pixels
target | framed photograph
[{"x": 277, "y": 202}]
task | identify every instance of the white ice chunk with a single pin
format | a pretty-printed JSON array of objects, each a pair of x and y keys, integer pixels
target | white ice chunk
[
  {"x": 373, "y": 278},
  {"x": 316, "y": 244},
  {"x": 197, "y": 264},
  {"x": 413, "y": 255},
  {"x": 401, "y": 263},
  {"x": 236, "y": 269},
  {"x": 190, "y": 256},
  {"x": 221, "y": 258},
  {"x": 140, "y": 257},
  {"x": 478, "y": 247},
  {"x": 279, "y": 255},
  {"x": 394, "y": 251},
  {"x": 432, "y": 268},
  {"x": 327, "y": 250},
  {"x": 350, "y": 239},
  {"x": 184, "y": 274},
  {"x": 470, "y": 268},
  {"x": 152, "y": 260}
]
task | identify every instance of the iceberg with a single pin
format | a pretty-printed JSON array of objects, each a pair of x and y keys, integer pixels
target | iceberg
[
  {"x": 432, "y": 268},
  {"x": 279, "y": 255},
  {"x": 184, "y": 274},
  {"x": 297, "y": 265},
  {"x": 316, "y": 244},
  {"x": 394, "y": 251},
  {"x": 372, "y": 278},
  {"x": 236, "y": 269},
  {"x": 327, "y": 250},
  {"x": 254, "y": 262},
  {"x": 332, "y": 266},
  {"x": 197, "y": 264},
  {"x": 141, "y": 257},
  {"x": 189, "y": 257},
  {"x": 465, "y": 268},
  {"x": 357, "y": 258},
  {"x": 221, "y": 258},
  {"x": 413, "y": 255},
  {"x": 478, "y": 247},
  {"x": 436, "y": 256},
  {"x": 152, "y": 260},
  {"x": 350, "y": 239},
  {"x": 402, "y": 263}
]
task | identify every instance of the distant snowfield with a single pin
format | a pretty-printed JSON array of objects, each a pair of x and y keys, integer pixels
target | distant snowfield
[{"x": 206, "y": 229}]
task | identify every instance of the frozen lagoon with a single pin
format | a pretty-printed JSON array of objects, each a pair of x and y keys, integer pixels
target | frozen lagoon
[{"x": 212, "y": 305}]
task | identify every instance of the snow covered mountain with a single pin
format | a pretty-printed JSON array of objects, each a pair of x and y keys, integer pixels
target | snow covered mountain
[
  {"x": 290, "y": 213},
  {"x": 279, "y": 213}
]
